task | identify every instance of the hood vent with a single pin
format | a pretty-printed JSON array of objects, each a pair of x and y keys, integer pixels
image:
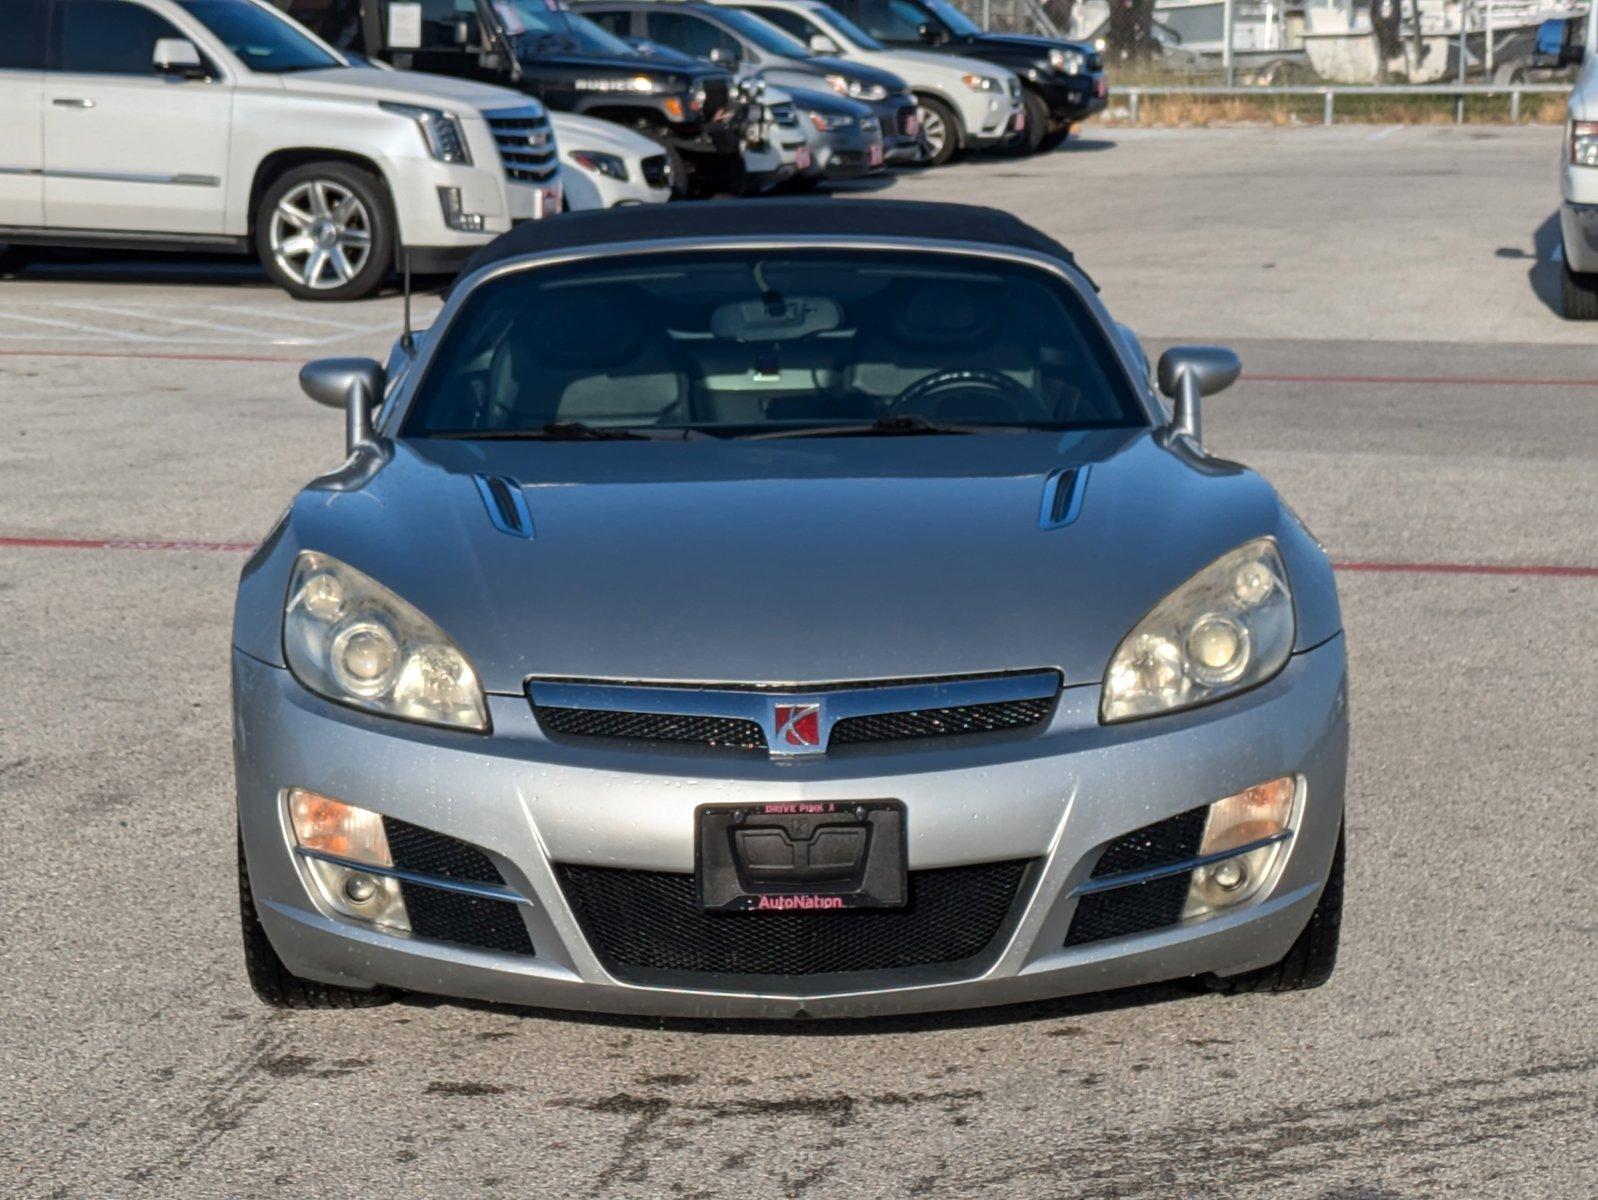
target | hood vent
[
  {"x": 1062, "y": 497},
  {"x": 507, "y": 506}
]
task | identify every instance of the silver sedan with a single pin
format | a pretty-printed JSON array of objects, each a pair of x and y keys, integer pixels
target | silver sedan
[{"x": 783, "y": 609}]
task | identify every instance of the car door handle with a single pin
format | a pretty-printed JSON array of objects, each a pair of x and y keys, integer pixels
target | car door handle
[{"x": 72, "y": 102}]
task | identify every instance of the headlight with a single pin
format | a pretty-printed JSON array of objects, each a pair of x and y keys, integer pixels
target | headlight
[
  {"x": 441, "y": 130},
  {"x": 1228, "y": 628},
  {"x": 1068, "y": 62},
  {"x": 347, "y": 637},
  {"x": 856, "y": 90},
  {"x": 1584, "y": 143},
  {"x": 600, "y": 164},
  {"x": 827, "y": 123},
  {"x": 982, "y": 83}
]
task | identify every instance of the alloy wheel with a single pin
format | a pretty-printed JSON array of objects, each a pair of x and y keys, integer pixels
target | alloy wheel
[
  {"x": 321, "y": 234},
  {"x": 933, "y": 130}
]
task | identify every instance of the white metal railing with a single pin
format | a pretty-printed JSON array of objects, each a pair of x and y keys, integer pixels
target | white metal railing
[{"x": 1133, "y": 93}]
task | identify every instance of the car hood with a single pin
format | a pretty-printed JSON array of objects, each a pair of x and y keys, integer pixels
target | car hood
[
  {"x": 365, "y": 83},
  {"x": 1021, "y": 42},
  {"x": 573, "y": 132},
  {"x": 924, "y": 64},
  {"x": 795, "y": 561},
  {"x": 854, "y": 69}
]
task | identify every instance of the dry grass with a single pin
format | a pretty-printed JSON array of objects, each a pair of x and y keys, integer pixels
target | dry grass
[{"x": 1200, "y": 111}]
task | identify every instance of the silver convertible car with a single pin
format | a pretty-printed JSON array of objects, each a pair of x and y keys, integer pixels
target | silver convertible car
[{"x": 800, "y": 608}]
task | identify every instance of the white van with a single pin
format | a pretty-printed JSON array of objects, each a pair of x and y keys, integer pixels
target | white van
[{"x": 224, "y": 125}]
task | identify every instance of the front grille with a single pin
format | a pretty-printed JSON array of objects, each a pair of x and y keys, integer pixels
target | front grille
[
  {"x": 716, "y": 90},
  {"x": 940, "y": 722},
  {"x": 870, "y": 125},
  {"x": 1136, "y": 908},
  {"x": 526, "y": 144},
  {"x": 1013, "y": 86},
  {"x": 448, "y": 916},
  {"x": 639, "y": 922},
  {"x": 784, "y": 114},
  {"x": 654, "y": 727},
  {"x": 903, "y": 118},
  {"x": 1173, "y": 840},
  {"x": 657, "y": 171}
]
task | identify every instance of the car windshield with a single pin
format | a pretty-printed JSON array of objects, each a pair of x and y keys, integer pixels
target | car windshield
[
  {"x": 536, "y": 25},
  {"x": 263, "y": 39},
  {"x": 763, "y": 34},
  {"x": 850, "y": 31},
  {"x": 951, "y": 16},
  {"x": 773, "y": 343}
]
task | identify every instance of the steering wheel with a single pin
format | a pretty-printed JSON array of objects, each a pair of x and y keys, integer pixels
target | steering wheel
[{"x": 923, "y": 397}]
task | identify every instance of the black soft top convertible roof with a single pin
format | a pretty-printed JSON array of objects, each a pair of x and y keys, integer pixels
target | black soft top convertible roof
[{"x": 912, "y": 219}]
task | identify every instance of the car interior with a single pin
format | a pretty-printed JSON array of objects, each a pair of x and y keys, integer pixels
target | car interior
[{"x": 755, "y": 343}]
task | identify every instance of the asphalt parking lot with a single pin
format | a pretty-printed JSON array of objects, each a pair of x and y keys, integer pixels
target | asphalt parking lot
[{"x": 1408, "y": 388}]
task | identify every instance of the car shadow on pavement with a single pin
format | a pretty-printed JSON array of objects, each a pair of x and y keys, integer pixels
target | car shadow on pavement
[
  {"x": 1547, "y": 264},
  {"x": 1144, "y": 996},
  {"x": 146, "y": 268}
]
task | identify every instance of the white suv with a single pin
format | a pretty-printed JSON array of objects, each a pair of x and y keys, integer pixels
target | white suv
[{"x": 223, "y": 125}]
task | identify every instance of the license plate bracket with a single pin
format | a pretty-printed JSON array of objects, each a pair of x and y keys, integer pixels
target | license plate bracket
[{"x": 802, "y": 857}]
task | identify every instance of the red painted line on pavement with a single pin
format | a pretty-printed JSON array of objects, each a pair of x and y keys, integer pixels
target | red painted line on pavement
[
  {"x": 1420, "y": 380},
  {"x": 57, "y": 543},
  {"x": 155, "y": 356},
  {"x": 1392, "y": 568}
]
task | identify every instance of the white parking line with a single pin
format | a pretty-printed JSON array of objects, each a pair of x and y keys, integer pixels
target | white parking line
[
  {"x": 182, "y": 323},
  {"x": 145, "y": 314},
  {"x": 84, "y": 332},
  {"x": 1381, "y": 135}
]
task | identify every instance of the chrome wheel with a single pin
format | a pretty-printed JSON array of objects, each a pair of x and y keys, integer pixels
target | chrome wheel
[
  {"x": 934, "y": 132},
  {"x": 321, "y": 234}
]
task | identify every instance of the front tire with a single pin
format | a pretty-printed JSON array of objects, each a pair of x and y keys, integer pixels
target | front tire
[
  {"x": 1578, "y": 294},
  {"x": 12, "y": 258},
  {"x": 940, "y": 130},
  {"x": 1033, "y": 136},
  {"x": 325, "y": 231},
  {"x": 274, "y": 983},
  {"x": 1054, "y": 139},
  {"x": 1312, "y": 958}
]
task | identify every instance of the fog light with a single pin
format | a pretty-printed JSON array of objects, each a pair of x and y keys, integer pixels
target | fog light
[
  {"x": 455, "y": 215},
  {"x": 323, "y": 825},
  {"x": 1246, "y": 819}
]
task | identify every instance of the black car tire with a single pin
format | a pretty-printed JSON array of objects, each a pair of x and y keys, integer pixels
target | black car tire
[
  {"x": 372, "y": 215},
  {"x": 1055, "y": 138},
  {"x": 939, "y": 115},
  {"x": 275, "y": 984},
  {"x": 1579, "y": 295},
  {"x": 1312, "y": 958},
  {"x": 13, "y": 258},
  {"x": 1033, "y": 136}
]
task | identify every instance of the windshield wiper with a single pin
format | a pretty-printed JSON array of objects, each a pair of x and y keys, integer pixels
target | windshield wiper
[
  {"x": 891, "y": 426},
  {"x": 554, "y": 431}
]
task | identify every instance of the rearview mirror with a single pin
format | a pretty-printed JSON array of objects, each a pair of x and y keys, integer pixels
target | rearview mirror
[
  {"x": 820, "y": 43},
  {"x": 179, "y": 57},
  {"x": 1187, "y": 373},
  {"x": 353, "y": 384}
]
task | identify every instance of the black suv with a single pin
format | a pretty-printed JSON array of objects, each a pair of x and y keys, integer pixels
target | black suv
[
  {"x": 692, "y": 109},
  {"x": 1063, "y": 82}
]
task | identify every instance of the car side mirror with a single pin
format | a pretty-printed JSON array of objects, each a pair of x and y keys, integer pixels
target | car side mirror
[
  {"x": 820, "y": 43},
  {"x": 353, "y": 384},
  {"x": 1188, "y": 373},
  {"x": 725, "y": 56},
  {"x": 178, "y": 57},
  {"x": 929, "y": 33},
  {"x": 464, "y": 32}
]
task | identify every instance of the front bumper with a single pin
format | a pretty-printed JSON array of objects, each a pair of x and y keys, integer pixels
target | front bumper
[
  {"x": 1055, "y": 797},
  {"x": 1071, "y": 98},
  {"x": 1578, "y": 226}
]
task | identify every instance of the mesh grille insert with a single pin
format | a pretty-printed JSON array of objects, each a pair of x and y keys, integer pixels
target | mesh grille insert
[
  {"x": 643, "y": 921},
  {"x": 1136, "y": 908},
  {"x": 1159, "y": 845},
  {"x": 660, "y": 727},
  {"x": 940, "y": 722},
  {"x": 427, "y": 853},
  {"x": 466, "y": 920}
]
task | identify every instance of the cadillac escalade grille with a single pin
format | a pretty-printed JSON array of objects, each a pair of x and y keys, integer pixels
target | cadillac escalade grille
[
  {"x": 526, "y": 144},
  {"x": 642, "y": 924}
]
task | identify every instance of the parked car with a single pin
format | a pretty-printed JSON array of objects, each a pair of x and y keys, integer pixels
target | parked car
[
  {"x": 571, "y": 65},
  {"x": 221, "y": 125},
  {"x": 1578, "y": 213},
  {"x": 776, "y": 609},
  {"x": 755, "y": 49},
  {"x": 777, "y": 151},
  {"x": 845, "y": 137},
  {"x": 1062, "y": 82},
  {"x": 958, "y": 104},
  {"x": 608, "y": 166}
]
